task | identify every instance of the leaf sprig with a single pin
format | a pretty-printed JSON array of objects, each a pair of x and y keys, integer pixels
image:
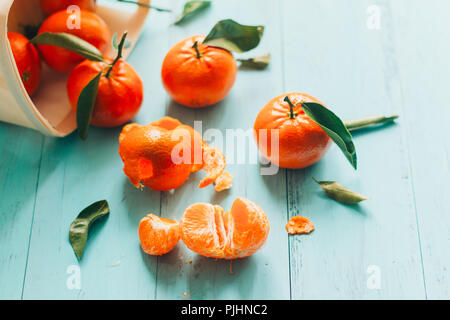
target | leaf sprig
[
  {"x": 191, "y": 9},
  {"x": 235, "y": 37}
]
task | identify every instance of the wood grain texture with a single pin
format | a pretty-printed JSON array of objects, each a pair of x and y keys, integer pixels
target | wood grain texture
[
  {"x": 76, "y": 174},
  {"x": 351, "y": 69},
  {"x": 20, "y": 158},
  {"x": 421, "y": 52},
  {"x": 264, "y": 275},
  {"x": 321, "y": 47}
]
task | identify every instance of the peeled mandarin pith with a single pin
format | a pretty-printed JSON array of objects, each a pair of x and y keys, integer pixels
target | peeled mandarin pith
[
  {"x": 158, "y": 235},
  {"x": 209, "y": 231},
  {"x": 163, "y": 154},
  {"x": 301, "y": 141}
]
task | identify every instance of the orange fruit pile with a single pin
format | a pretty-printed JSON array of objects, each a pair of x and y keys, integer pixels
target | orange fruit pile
[
  {"x": 209, "y": 231},
  {"x": 196, "y": 75},
  {"x": 301, "y": 141},
  {"x": 163, "y": 154}
]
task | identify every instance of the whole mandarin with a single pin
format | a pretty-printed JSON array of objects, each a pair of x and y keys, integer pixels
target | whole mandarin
[
  {"x": 197, "y": 75},
  {"x": 51, "y": 6},
  {"x": 27, "y": 61},
  {"x": 301, "y": 141},
  {"x": 92, "y": 29},
  {"x": 120, "y": 93},
  {"x": 163, "y": 154}
]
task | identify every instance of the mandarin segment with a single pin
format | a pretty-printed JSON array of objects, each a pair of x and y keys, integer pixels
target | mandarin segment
[
  {"x": 209, "y": 231},
  {"x": 158, "y": 235},
  {"x": 299, "y": 225},
  {"x": 250, "y": 227},
  {"x": 223, "y": 182}
]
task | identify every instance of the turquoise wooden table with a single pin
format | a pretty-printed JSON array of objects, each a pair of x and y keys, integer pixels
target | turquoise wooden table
[{"x": 394, "y": 246}]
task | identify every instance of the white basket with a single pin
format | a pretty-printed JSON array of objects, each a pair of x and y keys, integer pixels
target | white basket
[{"x": 49, "y": 110}]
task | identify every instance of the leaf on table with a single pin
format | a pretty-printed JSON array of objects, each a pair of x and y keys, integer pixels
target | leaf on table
[
  {"x": 192, "y": 8},
  {"x": 85, "y": 105},
  {"x": 127, "y": 43},
  {"x": 339, "y": 192},
  {"x": 259, "y": 63},
  {"x": 69, "y": 42},
  {"x": 79, "y": 229},
  {"x": 333, "y": 127},
  {"x": 232, "y": 36}
]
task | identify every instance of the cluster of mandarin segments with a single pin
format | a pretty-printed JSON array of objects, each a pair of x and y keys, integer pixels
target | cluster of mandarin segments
[
  {"x": 209, "y": 231},
  {"x": 163, "y": 154}
]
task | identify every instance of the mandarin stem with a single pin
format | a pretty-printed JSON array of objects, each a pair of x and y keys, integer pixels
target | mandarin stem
[
  {"x": 195, "y": 46},
  {"x": 356, "y": 124},
  {"x": 119, "y": 53},
  {"x": 145, "y": 5},
  {"x": 292, "y": 114}
]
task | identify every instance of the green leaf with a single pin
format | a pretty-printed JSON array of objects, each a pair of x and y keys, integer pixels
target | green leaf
[
  {"x": 127, "y": 43},
  {"x": 259, "y": 63},
  {"x": 69, "y": 42},
  {"x": 79, "y": 229},
  {"x": 334, "y": 127},
  {"x": 192, "y": 8},
  {"x": 339, "y": 192},
  {"x": 232, "y": 36},
  {"x": 85, "y": 105}
]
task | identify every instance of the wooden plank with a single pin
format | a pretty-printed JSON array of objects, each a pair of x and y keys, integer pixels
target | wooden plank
[
  {"x": 422, "y": 50},
  {"x": 264, "y": 275},
  {"x": 73, "y": 175},
  {"x": 20, "y": 157},
  {"x": 330, "y": 53}
]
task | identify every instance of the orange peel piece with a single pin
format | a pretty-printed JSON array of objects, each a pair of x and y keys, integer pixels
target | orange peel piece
[
  {"x": 299, "y": 225},
  {"x": 214, "y": 165}
]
